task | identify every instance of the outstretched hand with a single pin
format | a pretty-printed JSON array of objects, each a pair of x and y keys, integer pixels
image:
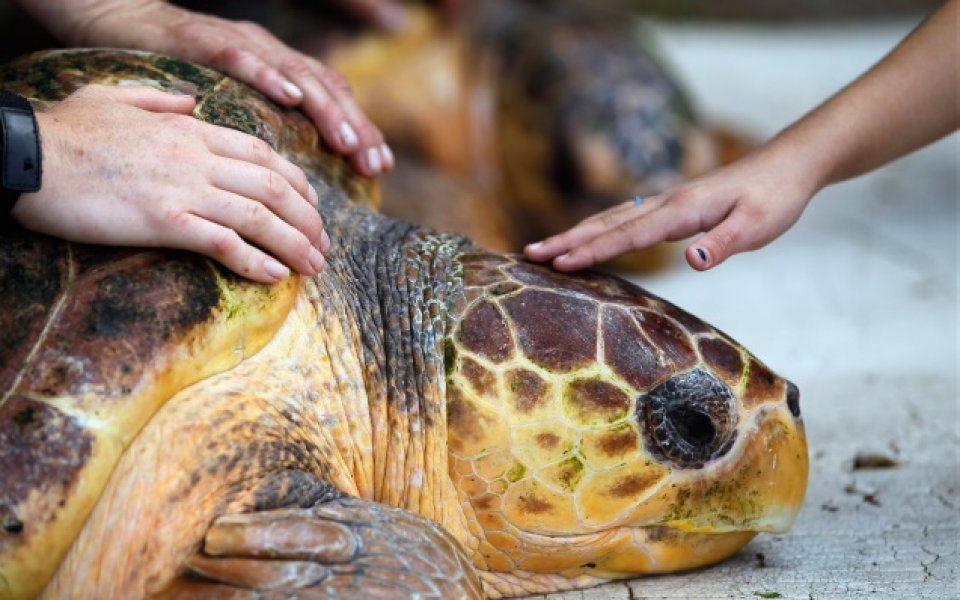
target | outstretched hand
[
  {"x": 741, "y": 207},
  {"x": 129, "y": 166},
  {"x": 243, "y": 50}
]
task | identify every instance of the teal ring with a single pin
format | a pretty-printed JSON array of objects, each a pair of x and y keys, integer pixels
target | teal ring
[{"x": 638, "y": 200}]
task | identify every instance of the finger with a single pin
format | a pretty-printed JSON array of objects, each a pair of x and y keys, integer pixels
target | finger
[
  {"x": 634, "y": 234},
  {"x": 373, "y": 154},
  {"x": 588, "y": 229},
  {"x": 332, "y": 107},
  {"x": 237, "y": 145},
  {"x": 248, "y": 67},
  {"x": 269, "y": 189},
  {"x": 254, "y": 222},
  {"x": 737, "y": 233},
  {"x": 226, "y": 247},
  {"x": 144, "y": 97}
]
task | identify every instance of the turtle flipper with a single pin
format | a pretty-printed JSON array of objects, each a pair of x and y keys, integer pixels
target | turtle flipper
[{"x": 341, "y": 548}]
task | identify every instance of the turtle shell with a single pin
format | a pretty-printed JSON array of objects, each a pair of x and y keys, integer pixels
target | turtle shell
[{"x": 71, "y": 397}]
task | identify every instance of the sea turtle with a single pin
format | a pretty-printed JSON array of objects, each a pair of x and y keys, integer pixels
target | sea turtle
[
  {"x": 558, "y": 111},
  {"x": 424, "y": 418}
]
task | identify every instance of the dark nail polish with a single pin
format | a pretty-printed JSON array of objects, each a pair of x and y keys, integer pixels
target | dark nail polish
[{"x": 702, "y": 255}]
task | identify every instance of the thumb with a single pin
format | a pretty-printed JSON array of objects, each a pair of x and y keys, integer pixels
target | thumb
[
  {"x": 144, "y": 97},
  {"x": 720, "y": 243}
]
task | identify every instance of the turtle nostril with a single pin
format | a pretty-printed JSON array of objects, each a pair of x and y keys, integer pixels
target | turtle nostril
[{"x": 793, "y": 399}]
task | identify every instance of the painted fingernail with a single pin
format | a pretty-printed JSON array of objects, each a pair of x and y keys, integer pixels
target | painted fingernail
[
  {"x": 292, "y": 91},
  {"x": 373, "y": 161},
  {"x": 348, "y": 137},
  {"x": 387, "y": 156},
  {"x": 324, "y": 241},
  {"x": 702, "y": 254},
  {"x": 316, "y": 260},
  {"x": 275, "y": 269},
  {"x": 312, "y": 195}
]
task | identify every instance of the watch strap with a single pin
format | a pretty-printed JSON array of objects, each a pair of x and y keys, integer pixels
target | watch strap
[{"x": 20, "y": 156}]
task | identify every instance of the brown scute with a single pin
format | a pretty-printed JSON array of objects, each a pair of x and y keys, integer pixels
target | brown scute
[
  {"x": 484, "y": 332},
  {"x": 722, "y": 357},
  {"x": 44, "y": 451},
  {"x": 556, "y": 331},
  {"x": 32, "y": 275},
  {"x": 618, "y": 443},
  {"x": 628, "y": 352},
  {"x": 479, "y": 377},
  {"x": 527, "y": 389},
  {"x": 599, "y": 287},
  {"x": 633, "y": 484},
  {"x": 116, "y": 320},
  {"x": 762, "y": 386},
  {"x": 533, "y": 504},
  {"x": 672, "y": 340},
  {"x": 596, "y": 400},
  {"x": 482, "y": 269},
  {"x": 689, "y": 322},
  {"x": 547, "y": 440}
]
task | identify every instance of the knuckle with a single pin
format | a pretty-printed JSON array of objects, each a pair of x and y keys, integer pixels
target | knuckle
[
  {"x": 296, "y": 67},
  {"x": 274, "y": 186},
  {"x": 255, "y": 217},
  {"x": 227, "y": 56},
  {"x": 223, "y": 244},
  {"x": 260, "y": 152}
]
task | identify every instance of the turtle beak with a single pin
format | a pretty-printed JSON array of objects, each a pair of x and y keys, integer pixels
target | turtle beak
[{"x": 763, "y": 487}]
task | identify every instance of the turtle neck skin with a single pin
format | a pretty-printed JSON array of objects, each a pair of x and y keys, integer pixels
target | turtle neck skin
[{"x": 399, "y": 284}]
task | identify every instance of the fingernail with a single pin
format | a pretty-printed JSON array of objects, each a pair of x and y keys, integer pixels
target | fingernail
[
  {"x": 373, "y": 160},
  {"x": 316, "y": 260},
  {"x": 291, "y": 90},
  {"x": 348, "y": 137},
  {"x": 275, "y": 269},
  {"x": 535, "y": 246},
  {"x": 312, "y": 195},
  {"x": 387, "y": 155},
  {"x": 703, "y": 255},
  {"x": 324, "y": 241},
  {"x": 391, "y": 17}
]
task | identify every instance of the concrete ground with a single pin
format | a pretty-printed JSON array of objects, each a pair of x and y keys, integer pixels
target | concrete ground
[{"x": 857, "y": 305}]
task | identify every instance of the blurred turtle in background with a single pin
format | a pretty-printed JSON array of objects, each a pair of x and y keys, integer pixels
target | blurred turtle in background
[{"x": 540, "y": 114}]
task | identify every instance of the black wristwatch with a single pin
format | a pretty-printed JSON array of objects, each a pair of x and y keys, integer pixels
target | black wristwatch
[{"x": 20, "y": 157}]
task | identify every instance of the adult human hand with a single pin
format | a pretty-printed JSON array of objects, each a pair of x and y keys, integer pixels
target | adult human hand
[
  {"x": 741, "y": 207},
  {"x": 750, "y": 202},
  {"x": 245, "y": 51},
  {"x": 129, "y": 166}
]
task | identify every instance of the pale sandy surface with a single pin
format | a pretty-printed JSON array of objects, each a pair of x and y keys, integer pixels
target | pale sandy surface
[{"x": 857, "y": 304}]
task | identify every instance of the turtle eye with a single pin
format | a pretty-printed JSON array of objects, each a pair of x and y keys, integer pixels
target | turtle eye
[
  {"x": 692, "y": 425},
  {"x": 688, "y": 420}
]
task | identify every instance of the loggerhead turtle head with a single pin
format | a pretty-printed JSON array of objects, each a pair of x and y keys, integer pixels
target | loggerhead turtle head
[{"x": 595, "y": 429}]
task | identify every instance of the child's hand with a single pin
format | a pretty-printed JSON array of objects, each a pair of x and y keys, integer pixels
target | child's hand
[{"x": 743, "y": 206}]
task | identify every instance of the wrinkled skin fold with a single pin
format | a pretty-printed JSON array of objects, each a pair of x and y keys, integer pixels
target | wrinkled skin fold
[{"x": 423, "y": 417}]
